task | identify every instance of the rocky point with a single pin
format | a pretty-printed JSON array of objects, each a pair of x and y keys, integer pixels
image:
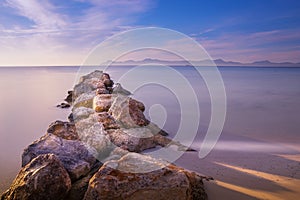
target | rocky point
[{"x": 98, "y": 153}]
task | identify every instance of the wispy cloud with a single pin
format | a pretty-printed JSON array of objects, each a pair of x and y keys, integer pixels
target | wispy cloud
[
  {"x": 273, "y": 45},
  {"x": 57, "y": 31},
  {"x": 42, "y": 13}
]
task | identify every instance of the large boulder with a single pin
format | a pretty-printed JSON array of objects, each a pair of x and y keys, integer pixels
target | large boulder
[
  {"x": 95, "y": 81},
  {"x": 107, "y": 120},
  {"x": 137, "y": 176},
  {"x": 69, "y": 97},
  {"x": 88, "y": 83},
  {"x": 133, "y": 139},
  {"x": 128, "y": 112},
  {"x": 44, "y": 178},
  {"x": 65, "y": 130},
  {"x": 93, "y": 135},
  {"x": 84, "y": 100},
  {"x": 95, "y": 74},
  {"x": 79, "y": 187},
  {"x": 73, "y": 154},
  {"x": 118, "y": 89},
  {"x": 102, "y": 102},
  {"x": 81, "y": 113}
]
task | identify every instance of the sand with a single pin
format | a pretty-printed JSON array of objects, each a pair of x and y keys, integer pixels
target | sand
[{"x": 247, "y": 173}]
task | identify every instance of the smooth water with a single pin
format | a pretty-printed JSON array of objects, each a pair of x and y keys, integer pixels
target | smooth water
[{"x": 262, "y": 104}]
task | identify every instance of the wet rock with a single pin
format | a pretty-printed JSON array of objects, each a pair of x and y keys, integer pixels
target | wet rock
[
  {"x": 69, "y": 98},
  {"x": 64, "y": 105},
  {"x": 63, "y": 130},
  {"x": 71, "y": 118},
  {"x": 110, "y": 90},
  {"x": 108, "y": 83},
  {"x": 73, "y": 154},
  {"x": 44, "y": 178},
  {"x": 105, "y": 76},
  {"x": 136, "y": 176}
]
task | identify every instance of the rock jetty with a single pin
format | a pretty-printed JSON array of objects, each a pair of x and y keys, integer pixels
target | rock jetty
[{"x": 98, "y": 153}]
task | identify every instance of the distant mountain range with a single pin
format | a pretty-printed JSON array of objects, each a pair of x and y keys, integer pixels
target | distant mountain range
[{"x": 218, "y": 62}]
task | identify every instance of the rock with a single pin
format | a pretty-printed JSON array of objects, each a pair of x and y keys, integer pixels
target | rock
[
  {"x": 166, "y": 142},
  {"x": 107, "y": 120},
  {"x": 118, "y": 89},
  {"x": 92, "y": 133},
  {"x": 71, "y": 118},
  {"x": 102, "y": 103},
  {"x": 102, "y": 91},
  {"x": 81, "y": 113},
  {"x": 133, "y": 139},
  {"x": 79, "y": 187},
  {"x": 105, "y": 76},
  {"x": 88, "y": 83},
  {"x": 128, "y": 112},
  {"x": 84, "y": 100},
  {"x": 116, "y": 154},
  {"x": 44, "y": 178},
  {"x": 73, "y": 154},
  {"x": 99, "y": 83},
  {"x": 64, "y": 105},
  {"x": 69, "y": 98},
  {"x": 127, "y": 179},
  {"x": 156, "y": 130},
  {"x": 108, "y": 83},
  {"x": 82, "y": 88},
  {"x": 63, "y": 130},
  {"x": 94, "y": 74}
]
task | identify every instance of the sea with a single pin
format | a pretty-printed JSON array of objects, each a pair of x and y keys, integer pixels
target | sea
[{"x": 262, "y": 105}]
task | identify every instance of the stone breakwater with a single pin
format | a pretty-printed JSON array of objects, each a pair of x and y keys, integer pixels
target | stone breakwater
[{"x": 97, "y": 154}]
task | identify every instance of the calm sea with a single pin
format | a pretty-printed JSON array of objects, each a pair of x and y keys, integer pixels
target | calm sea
[{"x": 263, "y": 104}]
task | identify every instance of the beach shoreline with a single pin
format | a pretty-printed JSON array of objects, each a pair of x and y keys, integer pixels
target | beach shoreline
[{"x": 247, "y": 175}]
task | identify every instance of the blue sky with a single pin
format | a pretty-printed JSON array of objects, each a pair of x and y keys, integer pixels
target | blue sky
[{"x": 55, "y": 32}]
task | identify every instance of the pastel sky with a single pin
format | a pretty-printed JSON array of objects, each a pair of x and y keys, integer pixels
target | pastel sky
[{"x": 56, "y": 32}]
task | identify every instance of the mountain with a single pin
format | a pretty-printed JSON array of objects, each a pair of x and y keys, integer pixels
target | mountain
[{"x": 218, "y": 62}]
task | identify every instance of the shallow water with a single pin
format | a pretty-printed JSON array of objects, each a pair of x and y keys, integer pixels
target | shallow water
[{"x": 263, "y": 104}]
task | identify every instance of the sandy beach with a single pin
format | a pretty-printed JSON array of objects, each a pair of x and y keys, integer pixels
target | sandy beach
[{"x": 248, "y": 174}]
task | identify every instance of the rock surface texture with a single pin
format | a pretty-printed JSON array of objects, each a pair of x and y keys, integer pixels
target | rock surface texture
[
  {"x": 97, "y": 153},
  {"x": 136, "y": 176},
  {"x": 43, "y": 178}
]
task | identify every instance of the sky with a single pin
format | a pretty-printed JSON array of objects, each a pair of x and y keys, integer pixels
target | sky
[{"x": 55, "y": 32}]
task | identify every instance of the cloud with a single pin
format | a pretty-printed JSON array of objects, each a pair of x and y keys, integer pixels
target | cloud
[
  {"x": 42, "y": 13},
  {"x": 276, "y": 45},
  {"x": 52, "y": 28}
]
